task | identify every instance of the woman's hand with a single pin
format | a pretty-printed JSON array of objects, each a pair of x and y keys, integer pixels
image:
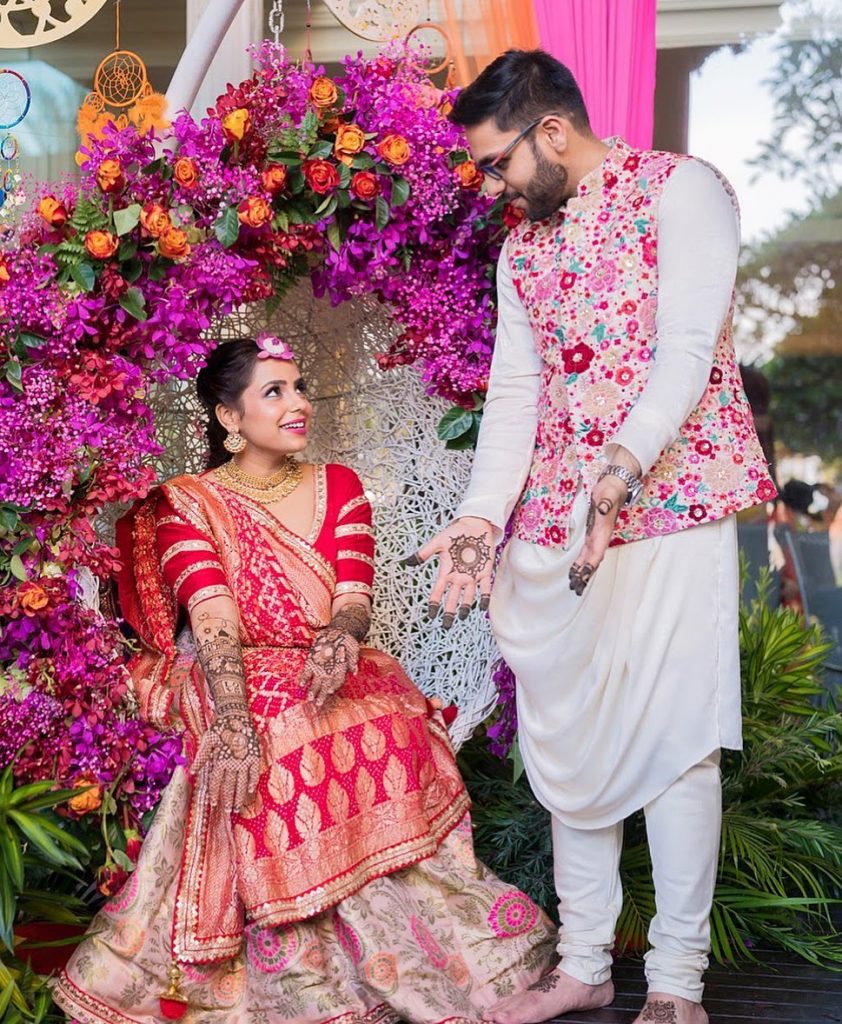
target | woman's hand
[
  {"x": 228, "y": 761},
  {"x": 335, "y": 653}
]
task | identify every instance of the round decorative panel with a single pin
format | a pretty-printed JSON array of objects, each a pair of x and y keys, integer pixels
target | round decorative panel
[
  {"x": 35, "y": 22},
  {"x": 377, "y": 19}
]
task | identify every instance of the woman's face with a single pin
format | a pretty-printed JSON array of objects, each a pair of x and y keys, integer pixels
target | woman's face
[{"x": 274, "y": 414}]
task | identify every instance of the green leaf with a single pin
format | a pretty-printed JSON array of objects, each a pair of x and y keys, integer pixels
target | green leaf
[
  {"x": 12, "y": 858},
  {"x": 126, "y": 219},
  {"x": 16, "y": 568},
  {"x": 227, "y": 228},
  {"x": 321, "y": 151},
  {"x": 127, "y": 250},
  {"x": 122, "y": 859},
  {"x": 84, "y": 276},
  {"x": 34, "y": 831},
  {"x": 31, "y": 340},
  {"x": 132, "y": 270},
  {"x": 326, "y": 207},
  {"x": 381, "y": 213},
  {"x": 13, "y": 374},
  {"x": 400, "y": 191},
  {"x": 158, "y": 269},
  {"x": 362, "y": 162},
  {"x": 134, "y": 302},
  {"x": 455, "y": 422},
  {"x": 334, "y": 236},
  {"x": 281, "y": 221},
  {"x": 288, "y": 157}
]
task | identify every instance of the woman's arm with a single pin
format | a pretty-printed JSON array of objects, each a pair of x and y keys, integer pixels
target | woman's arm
[{"x": 228, "y": 758}]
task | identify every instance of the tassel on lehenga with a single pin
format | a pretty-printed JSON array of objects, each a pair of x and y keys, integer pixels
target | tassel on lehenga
[{"x": 173, "y": 1002}]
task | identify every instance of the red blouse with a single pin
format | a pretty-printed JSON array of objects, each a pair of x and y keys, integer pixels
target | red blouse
[{"x": 341, "y": 533}]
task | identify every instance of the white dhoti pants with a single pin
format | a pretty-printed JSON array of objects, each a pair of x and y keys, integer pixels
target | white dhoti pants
[{"x": 624, "y": 698}]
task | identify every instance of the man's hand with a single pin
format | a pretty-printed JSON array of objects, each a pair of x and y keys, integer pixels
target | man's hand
[
  {"x": 608, "y": 497},
  {"x": 466, "y": 560}
]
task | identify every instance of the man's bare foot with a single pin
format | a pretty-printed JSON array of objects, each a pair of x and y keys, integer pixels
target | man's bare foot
[
  {"x": 663, "y": 1008},
  {"x": 554, "y": 994}
]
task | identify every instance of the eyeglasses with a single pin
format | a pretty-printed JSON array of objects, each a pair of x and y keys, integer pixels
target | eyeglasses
[{"x": 489, "y": 167}]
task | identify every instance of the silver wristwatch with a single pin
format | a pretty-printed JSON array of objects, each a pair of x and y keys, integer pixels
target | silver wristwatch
[{"x": 633, "y": 483}]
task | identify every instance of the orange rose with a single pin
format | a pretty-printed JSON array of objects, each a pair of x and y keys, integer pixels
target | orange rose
[
  {"x": 320, "y": 175},
  {"x": 274, "y": 178},
  {"x": 469, "y": 175},
  {"x": 53, "y": 211},
  {"x": 323, "y": 93},
  {"x": 4, "y": 271},
  {"x": 365, "y": 185},
  {"x": 236, "y": 124},
  {"x": 173, "y": 244},
  {"x": 350, "y": 139},
  {"x": 185, "y": 172},
  {"x": 254, "y": 211},
  {"x": 90, "y": 799},
  {"x": 32, "y": 598},
  {"x": 109, "y": 175},
  {"x": 154, "y": 219},
  {"x": 101, "y": 244},
  {"x": 395, "y": 150}
]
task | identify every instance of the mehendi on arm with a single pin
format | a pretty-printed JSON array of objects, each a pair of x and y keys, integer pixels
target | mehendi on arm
[
  {"x": 228, "y": 759},
  {"x": 336, "y": 648}
]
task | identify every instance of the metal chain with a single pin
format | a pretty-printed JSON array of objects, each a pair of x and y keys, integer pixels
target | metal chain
[{"x": 276, "y": 20}]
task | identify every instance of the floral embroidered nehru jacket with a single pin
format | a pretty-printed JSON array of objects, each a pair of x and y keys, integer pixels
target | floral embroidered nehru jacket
[{"x": 587, "y": 279}]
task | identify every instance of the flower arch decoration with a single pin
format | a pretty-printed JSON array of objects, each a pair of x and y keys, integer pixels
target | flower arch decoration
[{"x": 359, "y": 183}]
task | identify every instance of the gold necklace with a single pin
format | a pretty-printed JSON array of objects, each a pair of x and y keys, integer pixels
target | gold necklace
[{"x": 265, "y": 489}]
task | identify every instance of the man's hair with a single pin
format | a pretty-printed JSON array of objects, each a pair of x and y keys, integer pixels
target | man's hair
[{"x": 519, "y": 87}]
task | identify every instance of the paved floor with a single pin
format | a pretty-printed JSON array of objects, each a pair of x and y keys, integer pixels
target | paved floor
[{"x": 781, "y": 990}]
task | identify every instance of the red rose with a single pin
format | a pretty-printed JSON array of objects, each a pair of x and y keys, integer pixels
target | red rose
[
  {"x": 320, "y": 175},
  {"x": 578, "y": 359},
  {"x": 512, "y": 215},
  {"x": 568, "y": 278},
  {"x": 716, "y": 375},
  {"x": 365, "y": 185},
  {"x": 610, "y": 180},
  {"x": 134, "y": 841},
  {"x": 704, "y": 447},
  {"x": 698, "y": 513},
  {"x": 595, "y": 438},
  {"x": 650, "y": 250},
  {"x": 274, "y": 178},
  {"x": 111, "y": 878}
]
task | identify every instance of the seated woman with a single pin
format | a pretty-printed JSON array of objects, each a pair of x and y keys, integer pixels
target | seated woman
[{"x": 315, "y": 862}]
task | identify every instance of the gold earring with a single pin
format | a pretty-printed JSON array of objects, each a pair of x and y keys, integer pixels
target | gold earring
[{"x": 234, "y": 442}]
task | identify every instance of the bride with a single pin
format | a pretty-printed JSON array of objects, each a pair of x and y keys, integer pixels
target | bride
[{"x": 314, "y": 861}]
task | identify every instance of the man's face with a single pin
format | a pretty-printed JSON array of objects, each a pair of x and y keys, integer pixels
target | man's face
[{"x": 534, "y": 178}]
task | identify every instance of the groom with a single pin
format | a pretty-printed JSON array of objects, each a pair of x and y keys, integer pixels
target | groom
[{"x": 617, "y": 434}]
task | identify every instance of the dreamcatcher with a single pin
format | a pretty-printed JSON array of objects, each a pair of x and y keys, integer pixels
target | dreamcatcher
[
  {"x": 15, "y": 100},
  {"x": 122, "y": 94}
]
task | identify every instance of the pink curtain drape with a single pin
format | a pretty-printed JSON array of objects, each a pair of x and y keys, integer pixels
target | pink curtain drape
[{"x": 609, "y": 45}]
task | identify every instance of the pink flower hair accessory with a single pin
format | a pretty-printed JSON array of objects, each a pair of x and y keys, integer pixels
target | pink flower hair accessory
[{"x": 273, "y": 348}]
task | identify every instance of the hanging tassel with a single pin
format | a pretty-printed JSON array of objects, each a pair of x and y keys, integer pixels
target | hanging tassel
[{"x": 173, "y": 1003}]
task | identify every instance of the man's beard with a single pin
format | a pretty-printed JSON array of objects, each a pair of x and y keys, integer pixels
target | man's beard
[{"x": 547, "y": 191}]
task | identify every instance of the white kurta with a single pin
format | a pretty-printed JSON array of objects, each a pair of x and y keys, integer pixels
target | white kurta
[{"x": 624, "y": 689}]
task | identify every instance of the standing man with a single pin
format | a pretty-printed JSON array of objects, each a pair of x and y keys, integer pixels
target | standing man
[{"x": 617, "y": 431}]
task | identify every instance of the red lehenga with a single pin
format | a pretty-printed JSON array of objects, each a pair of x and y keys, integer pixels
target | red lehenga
[{"x": 349, "y": 890}]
